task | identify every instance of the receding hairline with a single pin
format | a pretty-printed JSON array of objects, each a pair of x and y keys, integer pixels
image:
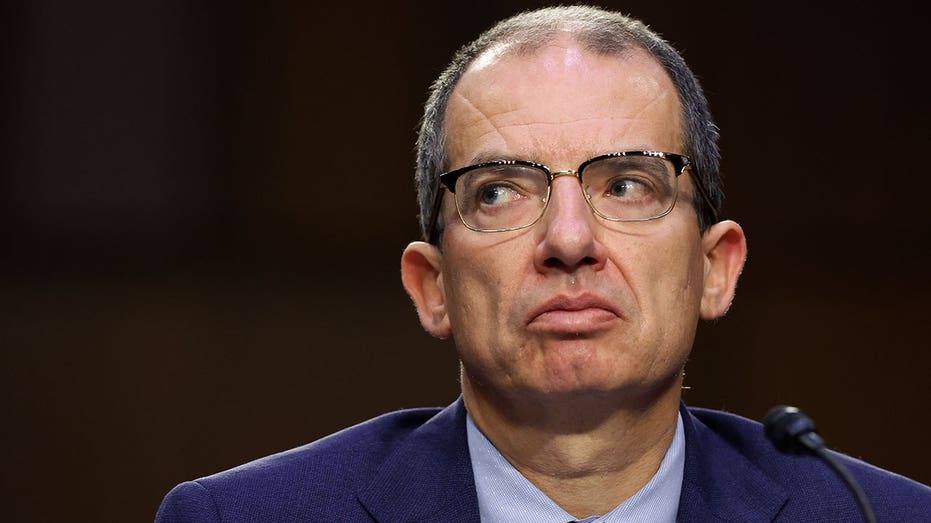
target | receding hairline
[
  {"x": 529, "y": 39},
  {"x": 525, "y": 48},
  {"x": 528, "y": 48}
]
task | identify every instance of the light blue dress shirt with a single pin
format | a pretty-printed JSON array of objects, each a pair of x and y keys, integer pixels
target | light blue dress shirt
[{"x": 506, "y": 496}]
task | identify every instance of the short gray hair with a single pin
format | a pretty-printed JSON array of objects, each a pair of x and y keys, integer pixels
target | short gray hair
[{"x": 601, "y": 32}]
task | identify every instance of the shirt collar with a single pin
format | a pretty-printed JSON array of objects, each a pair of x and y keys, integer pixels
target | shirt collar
[{"x": 504, "y": 494}]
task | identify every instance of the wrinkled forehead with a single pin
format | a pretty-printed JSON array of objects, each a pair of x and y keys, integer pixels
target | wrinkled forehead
[{"x": 561, "y": 93}]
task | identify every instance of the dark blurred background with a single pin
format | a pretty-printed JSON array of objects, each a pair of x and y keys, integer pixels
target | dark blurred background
[{"x": 202, "y": 208}]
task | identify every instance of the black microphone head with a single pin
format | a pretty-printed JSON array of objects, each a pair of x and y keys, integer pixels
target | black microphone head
[{"x": 789, "y": 429}]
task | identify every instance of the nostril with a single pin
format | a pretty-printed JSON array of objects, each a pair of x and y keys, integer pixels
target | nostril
[{"x": 554, "y": 262}]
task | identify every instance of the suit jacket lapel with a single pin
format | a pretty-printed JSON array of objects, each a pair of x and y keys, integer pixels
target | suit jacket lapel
[
  {"x": 429, "y": 477},
  {"x": 720, "y": 484}
]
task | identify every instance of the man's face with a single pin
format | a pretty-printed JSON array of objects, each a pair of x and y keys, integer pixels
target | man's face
[{"x": 574, "y": 303}]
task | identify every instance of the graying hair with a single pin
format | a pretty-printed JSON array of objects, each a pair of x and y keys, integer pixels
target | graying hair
[{"x": 601, "y": 32}]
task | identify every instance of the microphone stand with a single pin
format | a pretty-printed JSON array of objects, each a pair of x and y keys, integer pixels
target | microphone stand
[{"x": 793, "y": 432}]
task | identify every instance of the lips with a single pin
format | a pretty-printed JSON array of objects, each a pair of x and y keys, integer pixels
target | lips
[{"x": 573, "y": 314}]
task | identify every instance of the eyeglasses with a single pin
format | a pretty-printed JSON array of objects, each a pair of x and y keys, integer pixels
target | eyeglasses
[{"x": 506, "y": 195}]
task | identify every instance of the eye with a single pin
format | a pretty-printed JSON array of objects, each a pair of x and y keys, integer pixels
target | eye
[
  {"x": 628, "y": 188},
  {"x": 496, "y": 194},
  {"x": 631, "y": 187}
]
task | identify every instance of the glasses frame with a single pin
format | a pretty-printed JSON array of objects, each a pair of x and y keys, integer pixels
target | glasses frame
[{"x": 448, "y": 180}]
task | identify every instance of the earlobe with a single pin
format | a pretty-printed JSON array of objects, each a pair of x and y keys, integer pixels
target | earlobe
[
  {"x": 725, "y": 248},
  {"x": 422, "y": 276}
]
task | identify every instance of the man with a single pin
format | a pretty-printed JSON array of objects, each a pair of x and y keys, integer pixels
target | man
[{"x": 568, "y": 186}]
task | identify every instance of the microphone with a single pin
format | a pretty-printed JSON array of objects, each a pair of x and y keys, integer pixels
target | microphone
[{"x": 792, "y": 432}]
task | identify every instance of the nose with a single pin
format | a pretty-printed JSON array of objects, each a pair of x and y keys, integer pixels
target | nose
[{"x": 569, "y": 235}]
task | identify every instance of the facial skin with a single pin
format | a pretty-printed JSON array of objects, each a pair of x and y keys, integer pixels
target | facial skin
[{"x": 574, "y": 306}]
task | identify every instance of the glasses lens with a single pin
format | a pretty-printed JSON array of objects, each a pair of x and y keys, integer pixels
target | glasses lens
[
  {"x": 630, "y": 187},
  {"x": 501, "y": 197}
]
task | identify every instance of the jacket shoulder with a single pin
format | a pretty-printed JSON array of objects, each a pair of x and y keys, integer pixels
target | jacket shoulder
[
  {"x": 358, "y": 448},
  {"x": 813, "y": 489},
  {"x": 298, "y": 484}
]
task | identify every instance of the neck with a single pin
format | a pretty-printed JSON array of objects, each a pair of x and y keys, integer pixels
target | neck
[{"x": 587, "y": 452}]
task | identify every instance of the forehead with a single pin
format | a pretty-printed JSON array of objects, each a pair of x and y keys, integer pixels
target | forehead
[{"x": 560, "y": 103}]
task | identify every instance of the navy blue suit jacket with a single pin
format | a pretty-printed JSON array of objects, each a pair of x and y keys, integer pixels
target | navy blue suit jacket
[{"x": 414, "y": 466}]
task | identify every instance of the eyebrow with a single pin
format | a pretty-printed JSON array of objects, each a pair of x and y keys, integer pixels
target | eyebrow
[{"x": 493, "y": 155}]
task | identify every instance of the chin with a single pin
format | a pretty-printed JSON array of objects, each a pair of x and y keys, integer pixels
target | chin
[
  {"x": 602, "y": 380},
  {"x": 595, "y": 381}
]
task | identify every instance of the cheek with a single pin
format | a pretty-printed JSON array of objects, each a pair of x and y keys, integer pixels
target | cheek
[
  {"x": 475, "y": 290},
  {"x": 475, "y": 313},
  {"x": 670, "y": 289},
  {"x": 485, "y": 280}
]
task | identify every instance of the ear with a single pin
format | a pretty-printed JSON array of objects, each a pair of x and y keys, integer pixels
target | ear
[
  {"x": 422, "y": 276},
  {"x": 725, "y": 248}
]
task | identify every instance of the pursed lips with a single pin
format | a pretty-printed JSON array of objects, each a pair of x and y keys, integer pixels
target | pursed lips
[{"x": 576, "y": 314}]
